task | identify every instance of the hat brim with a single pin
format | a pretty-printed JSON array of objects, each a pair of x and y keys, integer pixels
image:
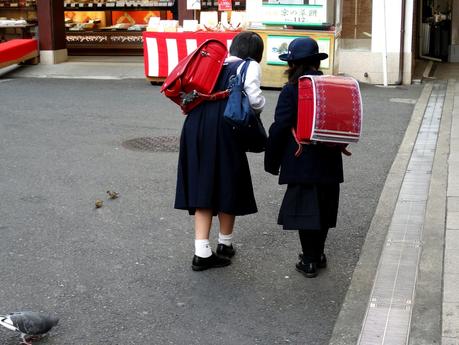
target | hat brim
[{"x": 287, "y": 57}]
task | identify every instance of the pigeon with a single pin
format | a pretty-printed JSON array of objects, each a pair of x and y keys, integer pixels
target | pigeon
[
  {"x": 113, "y": 195},
  {"x": 99, "y": 203},
  {"x": 30, "y": 324}
]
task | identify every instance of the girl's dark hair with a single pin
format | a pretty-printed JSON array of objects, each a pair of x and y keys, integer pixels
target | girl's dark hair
[
  {"x": 247, "y": 44},
  {"x": 300, "y": 67}
]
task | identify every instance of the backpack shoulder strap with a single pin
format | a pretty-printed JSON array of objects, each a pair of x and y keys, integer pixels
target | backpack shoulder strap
[{"x": 244, "y": 68}]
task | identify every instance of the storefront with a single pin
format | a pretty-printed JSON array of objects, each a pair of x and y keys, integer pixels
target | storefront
[
  {"x": 373, "y": 41},
  {"x": 116, "y": 27}
]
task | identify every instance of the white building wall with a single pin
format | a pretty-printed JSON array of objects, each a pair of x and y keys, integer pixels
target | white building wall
[{"x": 367, "y": 66}]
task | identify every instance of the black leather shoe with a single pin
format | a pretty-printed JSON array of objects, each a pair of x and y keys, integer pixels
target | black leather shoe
[
  {"x": 226, "y": 251},
  {"x": 308, "y": 269},
  {"x": 201, "y": 264},
  {"x": 322, "y": 262}
]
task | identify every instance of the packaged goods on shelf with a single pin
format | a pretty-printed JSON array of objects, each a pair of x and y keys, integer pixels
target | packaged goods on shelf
[
  {"x": 190, "y": 25},
  {"x": 155, "y": 24},
  {"x": 12, "y": 22}
]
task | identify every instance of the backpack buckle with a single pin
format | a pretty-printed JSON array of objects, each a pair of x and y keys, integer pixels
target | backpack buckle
[{"x": 188, "y": 98}]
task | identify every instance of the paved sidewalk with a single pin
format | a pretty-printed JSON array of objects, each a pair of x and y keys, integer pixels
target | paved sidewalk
[
  {"x": 84, "y": 67},
  {"x": 404, "y": 288},
  {"x": 450, "y": 314}
]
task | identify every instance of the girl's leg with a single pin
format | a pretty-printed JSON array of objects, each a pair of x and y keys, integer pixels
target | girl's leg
[
  {"x": 226, "y": 223},
  {"x": 313, "y": 243},
  {"x": 310, "y": 244},
  {"x": 202, "y": 225},
  {"x": 204, "y": 258},
  {"x": 225, "y": 236},
  {"x": 322, "y": 239}
]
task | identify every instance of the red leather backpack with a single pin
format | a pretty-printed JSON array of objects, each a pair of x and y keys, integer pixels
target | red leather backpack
[{"x": 193, "y": 79}]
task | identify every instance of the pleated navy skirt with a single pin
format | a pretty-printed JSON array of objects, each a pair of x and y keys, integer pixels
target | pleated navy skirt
[{"x": 309, "y": 206}]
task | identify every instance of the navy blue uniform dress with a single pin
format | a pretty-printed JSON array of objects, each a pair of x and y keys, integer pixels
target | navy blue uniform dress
[
  {"x": 213, "y": 171},
  {"x": 312, "y": 195}
]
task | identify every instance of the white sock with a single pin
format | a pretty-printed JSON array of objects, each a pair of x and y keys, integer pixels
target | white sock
[
  {"x": 202, "y": 248},
  {"x": 227, "y": 240}
]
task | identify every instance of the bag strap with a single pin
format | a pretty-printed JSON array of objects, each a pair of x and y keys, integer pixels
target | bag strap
[
  {"x": 243, "y": 70},
  {"x": 190, "y": 97},
  {"x": 214, "y": 96},
  {"x": 300, "y": 143}
]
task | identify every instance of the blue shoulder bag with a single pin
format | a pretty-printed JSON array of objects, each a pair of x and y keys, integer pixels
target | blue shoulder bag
[
  {"x": 238, "y": 108},
  {"x": 239, "y": 113}
]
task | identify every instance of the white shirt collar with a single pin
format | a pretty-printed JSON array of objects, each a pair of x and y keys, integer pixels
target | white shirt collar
[{"x": 232, "y": 59}]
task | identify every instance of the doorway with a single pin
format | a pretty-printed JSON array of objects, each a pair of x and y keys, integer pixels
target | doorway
[{"x": 435, "y": 30}]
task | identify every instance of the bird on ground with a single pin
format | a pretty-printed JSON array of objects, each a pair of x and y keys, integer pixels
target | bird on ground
[
  {"x": 113, "y": 195},
  {"x": 99, "y": 203},
  {"x": 31, "y": 325}
]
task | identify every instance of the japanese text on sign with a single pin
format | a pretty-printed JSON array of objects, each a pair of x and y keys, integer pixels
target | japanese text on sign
[
  {"x": 224, "y": 5},
  {"x": 294, "y": 14}
]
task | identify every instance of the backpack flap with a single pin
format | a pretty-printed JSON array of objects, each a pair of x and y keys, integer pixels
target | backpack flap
[
  {"x": 329, "y": 109},
  {"x": 195, "y": 75}
]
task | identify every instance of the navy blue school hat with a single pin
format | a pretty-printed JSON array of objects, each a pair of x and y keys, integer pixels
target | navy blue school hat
[{"x": 301, "y": 48}]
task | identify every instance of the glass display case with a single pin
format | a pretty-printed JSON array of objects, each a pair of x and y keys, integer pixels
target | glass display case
[
  {"x": 18, "y": 19},
  {"x": 111, "y": 27}
]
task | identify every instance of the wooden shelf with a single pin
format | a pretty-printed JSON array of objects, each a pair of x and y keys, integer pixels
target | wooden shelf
[
  {"x": 118, "y": 6},
  {"x": 33, "y": 8},
  {"x": 104, "y": 40},
  {"x": 128, "y": 8}
]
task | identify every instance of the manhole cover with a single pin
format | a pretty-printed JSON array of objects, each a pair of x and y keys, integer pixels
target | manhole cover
[{"x": 153, "y": 144}]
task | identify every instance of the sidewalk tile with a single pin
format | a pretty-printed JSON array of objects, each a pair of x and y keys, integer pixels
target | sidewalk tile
[
  {"x": 453, "y": 204},
  {"x": 452, "y": 222},
  {"x": 450, "y": 290},
  {"x": 455, "y": 129},
  {"x": 449, "y": 341},
  {"x": 454, "y": 151},
  {"x": 450, "y": 320},
  {"x": 453, "y": 182},
  {"x": 451, "y": 252},
  {"x": 453, "y": 166}
]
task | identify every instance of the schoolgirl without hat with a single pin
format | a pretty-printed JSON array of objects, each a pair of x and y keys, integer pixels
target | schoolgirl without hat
[{"x": 302, "y": 48}]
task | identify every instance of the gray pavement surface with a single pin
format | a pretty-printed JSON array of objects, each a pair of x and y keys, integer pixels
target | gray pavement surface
[{"x": 121, "y": 274}]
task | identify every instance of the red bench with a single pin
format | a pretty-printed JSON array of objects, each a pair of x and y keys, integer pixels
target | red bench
[{"x": 18, "y": 50}]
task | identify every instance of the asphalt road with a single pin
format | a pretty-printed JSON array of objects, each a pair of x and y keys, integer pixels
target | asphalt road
[{"x": 121, "y": 274}]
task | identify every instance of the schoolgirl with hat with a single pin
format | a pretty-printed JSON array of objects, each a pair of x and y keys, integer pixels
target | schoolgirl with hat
[{"x": 310, "y": 203}]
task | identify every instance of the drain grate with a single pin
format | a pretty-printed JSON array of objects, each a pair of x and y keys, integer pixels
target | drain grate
[{"x": 153, "y": 144}]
